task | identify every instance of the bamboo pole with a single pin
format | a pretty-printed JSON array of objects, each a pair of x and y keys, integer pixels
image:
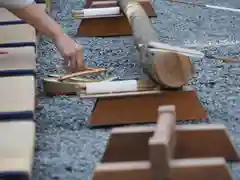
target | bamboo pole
[{"x": 166, "y": 67}]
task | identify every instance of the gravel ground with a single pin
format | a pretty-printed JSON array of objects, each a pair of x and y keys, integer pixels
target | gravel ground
[{"x": 67, "y": 149}]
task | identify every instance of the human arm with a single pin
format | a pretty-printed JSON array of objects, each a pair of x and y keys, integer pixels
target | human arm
[{"x": 34, "y": 15}]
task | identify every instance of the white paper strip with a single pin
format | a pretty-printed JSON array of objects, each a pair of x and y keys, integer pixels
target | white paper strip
[
  {"x": 111, "y": 86},
  {"x": 101, "y": 11}
]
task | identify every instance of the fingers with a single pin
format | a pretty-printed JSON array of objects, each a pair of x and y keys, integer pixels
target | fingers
[
  {"x": 76, "y": 59},
  {"x": 73, "y": 64},
  {"x": 79, "y": 58},
  {"x": 72, "y": 53}
]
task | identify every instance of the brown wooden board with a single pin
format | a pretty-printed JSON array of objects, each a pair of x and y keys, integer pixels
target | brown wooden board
[
  {"x": 122, "y": 147},
  {"x": 168, "y": 151},
  {"x": 186, "y": 169},
  {"x": 110, "y": 26},
  {"x": 143, "y": 109}
]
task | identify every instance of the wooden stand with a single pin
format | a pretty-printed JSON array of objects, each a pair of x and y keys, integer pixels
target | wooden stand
[
  {"x": 168, "y": 151},
  {"x": 104, "y": 26},
  {"x": 140, "y": 107}
]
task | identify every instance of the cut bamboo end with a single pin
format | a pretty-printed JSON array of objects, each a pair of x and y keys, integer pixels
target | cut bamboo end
[
  {"x": 165, "y": 125},
  {"x": 173, "y": 70},
  {"x": 166, "y": 109}
]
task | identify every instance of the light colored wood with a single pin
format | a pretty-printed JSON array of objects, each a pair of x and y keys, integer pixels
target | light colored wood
[
  {"x": 190, "y": 144},
  {"x": 184, "y": 169},
  {"x": 97, "y": 3},
  {"x": 81, "y": 73},
  {"x": 53, "y": 86},
  {"x": 155, "y": 90},
  {"x": 119, "y": 94},
  {"x": 6, "y": 15},
  {"x": 168, "y": 69},
  {"x": 20, "y": 58},
  {"x": 162, "y": 143},
  {"x": 123, "y": 170},
  {"x": 165, "y": 126},
  {"x": 17, "y": 33},
  {"x": 200, "y": 169},
  {"x": 17, "y": 142},
  {"x": 9, "y": 164},
  {"x": 17, "y": 94},
  {"x": 167, "y": 151}
]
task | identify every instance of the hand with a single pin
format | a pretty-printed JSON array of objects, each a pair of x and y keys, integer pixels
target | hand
[{"x": 71, "y": 52}]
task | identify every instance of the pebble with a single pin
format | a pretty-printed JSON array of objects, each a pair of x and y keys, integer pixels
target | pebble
[{"x": 67, "y": 149}]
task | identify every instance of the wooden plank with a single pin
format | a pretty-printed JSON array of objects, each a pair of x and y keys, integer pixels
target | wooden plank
[
  {"x": 185, "y": 169},
  {"x": 162, "y": 143},
  {"x": 6, "y": 15},
  {"x": 193, "y": 141},
  {"x": 200, "y": 169},
  {"x": 18, "y": 61},
  {"x": 17, "y": 35},
  {"x": 122, "y": 144},
  {"x": 115, "y": 111},
  {"x": 123, "y": 170},
  {"x": 208, "y": 140},
  {"x": 17, "y": 141},
  {"x": 17, "y": 97},
  {"x": 119, "y": 94}
]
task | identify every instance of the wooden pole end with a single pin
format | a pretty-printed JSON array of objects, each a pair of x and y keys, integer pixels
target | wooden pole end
[{"x": 167, "y": 109}]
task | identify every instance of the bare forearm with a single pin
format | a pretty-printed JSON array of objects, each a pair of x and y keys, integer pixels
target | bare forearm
[{"x": 39, "y": 19}]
